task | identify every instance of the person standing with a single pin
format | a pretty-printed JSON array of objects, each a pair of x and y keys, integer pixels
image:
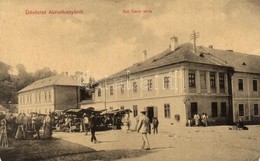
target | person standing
[
  {"x": 155, "y": 125},
  {"x": 93, "y": 127},
  {"x": 38, "y": 125},
  {"x": 144, "y": 129},
  {"x": 196, "y": 118},
  {"x": 86, "y": 124},
  {"x": 137, "y": 122},
  {"x": 47, "y": 127}
]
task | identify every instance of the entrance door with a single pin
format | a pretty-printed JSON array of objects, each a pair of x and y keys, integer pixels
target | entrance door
[
  {"x": 193, "y": 108},
  {"x": 150, "y": 113}
]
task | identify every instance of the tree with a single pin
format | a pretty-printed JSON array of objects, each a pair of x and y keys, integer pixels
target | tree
[
  {"x": 44, "y": 73},
  {"x": 4, "y": 71}
]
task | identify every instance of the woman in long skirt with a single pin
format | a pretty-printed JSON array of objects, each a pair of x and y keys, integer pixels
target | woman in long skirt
[{"x": 47, "y": 127}]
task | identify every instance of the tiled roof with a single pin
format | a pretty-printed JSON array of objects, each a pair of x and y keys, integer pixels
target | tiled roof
[
  {"x": 241, "y": 62},
  {"x": 204, "y": 55},
  {"x": 61, "y": 80}
]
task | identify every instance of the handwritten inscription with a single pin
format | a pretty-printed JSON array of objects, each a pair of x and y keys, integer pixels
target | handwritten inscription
[{"x": 136, "y": 11}]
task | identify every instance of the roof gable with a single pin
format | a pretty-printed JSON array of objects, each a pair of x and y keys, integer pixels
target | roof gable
[
  {"x": 60, "y": 79},
  {"x": 183, "y": 53}
]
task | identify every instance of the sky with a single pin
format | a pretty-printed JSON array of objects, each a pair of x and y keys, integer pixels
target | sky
[{"x": 106, "y": 38}]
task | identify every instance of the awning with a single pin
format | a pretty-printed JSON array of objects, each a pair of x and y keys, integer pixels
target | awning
[
  {"x": 123, "y": 111},
  {"x": 87, "y": 111}
]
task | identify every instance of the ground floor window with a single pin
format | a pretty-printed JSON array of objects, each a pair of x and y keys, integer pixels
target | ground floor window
[
  {"x": 255, "y": 109},
  {"x": 122, "y": 107},
  {"x": 223, "y": 109},
  {"x": 135, "y": 110},
  {"x": 214, "y": 109},
  {"x": 241, "y": 110},
  {"x": 167, "y": 111}
]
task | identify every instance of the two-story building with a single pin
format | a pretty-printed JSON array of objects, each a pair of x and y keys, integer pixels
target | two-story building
[
  {"x": 173, "y": 86},
  {"x": 59, "y": 92},
  {"x": 245, "y": 80}
]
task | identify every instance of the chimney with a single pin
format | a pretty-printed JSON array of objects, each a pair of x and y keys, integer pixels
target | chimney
[
  {"x": 211, "y": 46},
  {"x": 145, "y": 55},
  {"x": 174, "y": 43}
]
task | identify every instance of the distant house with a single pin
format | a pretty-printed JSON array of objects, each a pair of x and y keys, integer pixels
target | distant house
[
  {"x": 180, "y": 82},
  {"x": 59, "y": 92}
]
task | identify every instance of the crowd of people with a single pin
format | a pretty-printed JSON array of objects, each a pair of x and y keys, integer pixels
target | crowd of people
[
  {"x": 198, "y": 120},
  {"x": 24, "y": 126},
  {"x": 40, "y": 126}
]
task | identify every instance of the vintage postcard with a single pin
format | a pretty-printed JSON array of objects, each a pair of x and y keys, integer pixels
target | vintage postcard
[{"x": 127, "y": 80}]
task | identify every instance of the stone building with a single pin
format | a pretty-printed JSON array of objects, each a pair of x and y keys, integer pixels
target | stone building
[
  {"x": 179, "y": 82},
  {"x": 59, "y": 92}
]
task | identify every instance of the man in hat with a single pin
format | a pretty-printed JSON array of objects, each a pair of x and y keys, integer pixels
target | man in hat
[
  {"x": 93, "y": 126},
  {"x": 144, "y": 129}
]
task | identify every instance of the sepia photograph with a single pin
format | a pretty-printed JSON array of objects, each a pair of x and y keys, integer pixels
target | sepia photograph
[{"x": 124, "y": 80}]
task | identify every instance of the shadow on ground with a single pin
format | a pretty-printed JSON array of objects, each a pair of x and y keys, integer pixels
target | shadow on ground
[{"x": 57, "y": 149}]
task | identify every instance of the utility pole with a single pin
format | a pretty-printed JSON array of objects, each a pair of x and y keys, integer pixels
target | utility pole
[
  {"x": 105, "y": 92},
  {"x": 194, "y": 37}
]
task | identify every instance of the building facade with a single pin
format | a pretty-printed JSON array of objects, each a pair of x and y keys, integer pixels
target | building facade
[
  {"x": 59, "y": 92},
  {"x": 178, "y": 83}
]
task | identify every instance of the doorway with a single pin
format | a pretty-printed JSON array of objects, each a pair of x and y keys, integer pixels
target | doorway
[
  {"x": 193, "y": 108},
  {"x": 150, "y": 113}
]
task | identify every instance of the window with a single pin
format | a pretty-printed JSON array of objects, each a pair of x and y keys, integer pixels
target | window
[
  {"x": 111, "y": 108},
  {"x": 36, "y": 98},
  {"x": 223, "y": 109},
  {"x": 241, "y": 111},
  {"x": 254, "y": 85},
  {"x": 214, "y": 109},
  {"x": 240, "y": 84},
  {"x": 111, "y": 90},
  {"x": 135, "y": 110},
  {"x": 134, "y": 86},
  {"x": 122, "y": 107},
  {"x": 45, "y": 96},
  {"x": 192, "y": 80},
  {"x": 255, "y": 109},
  {"x": 212, "y": 80},
  {"x": 166, "y": 83},
  {"x": 122, "y": 88},
  {"x": 167, "y": 111},
  {"x": 99, "y": 92},
  {"x": 49, "y": 96},
  {"x": 27, "y": 99},
  {"x": 39, "y": 96},
  {"x": 221, "y": 81},
  {"x": 149, "y": 84}
]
